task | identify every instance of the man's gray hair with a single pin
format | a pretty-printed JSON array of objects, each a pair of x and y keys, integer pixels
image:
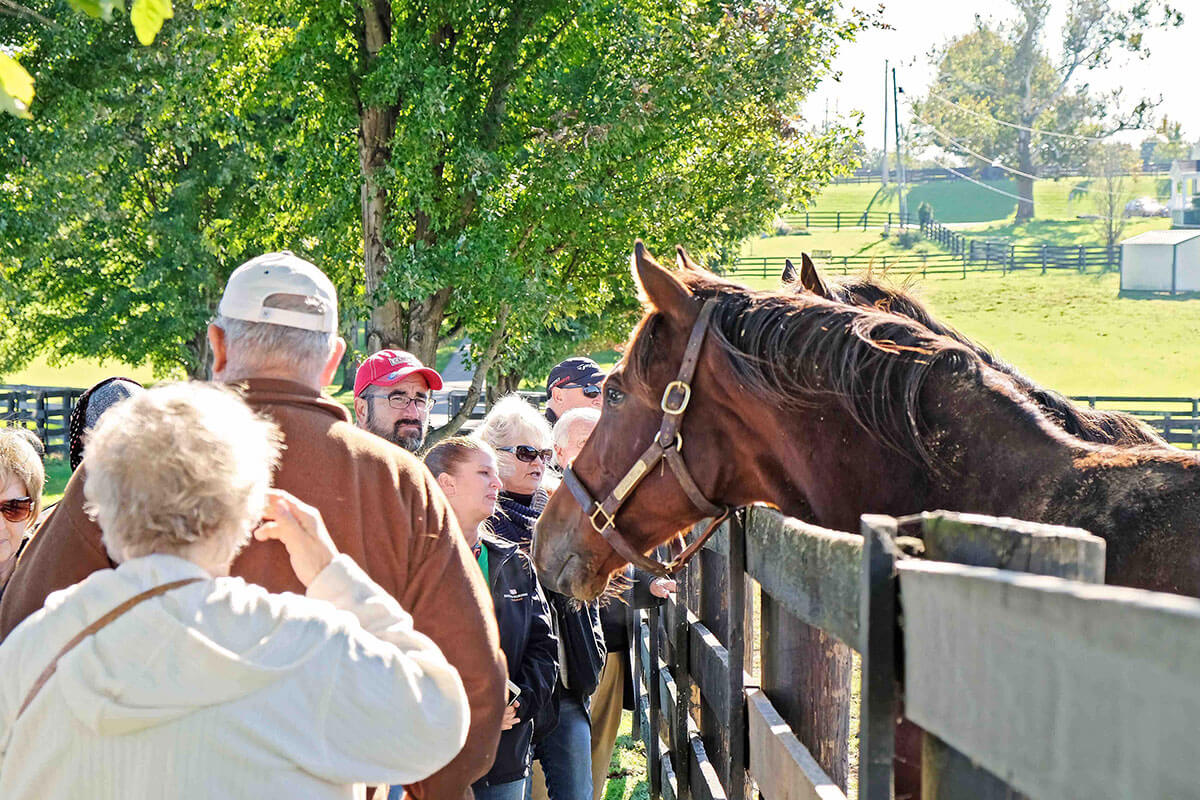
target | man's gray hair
[
  {"x": 253, "y": 348},
  {"x": 576, "y": 416}
]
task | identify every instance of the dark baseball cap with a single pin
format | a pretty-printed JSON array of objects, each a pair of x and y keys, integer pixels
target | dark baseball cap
[{"x": 576, "y": 371}]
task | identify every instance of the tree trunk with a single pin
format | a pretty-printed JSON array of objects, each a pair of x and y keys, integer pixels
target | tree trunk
[
  {"x": 484, "y": 365},
  {"x": 503, "y": 383},
  {"x": 1025, "y": 184},
  {"x": 201, "y": 364}
]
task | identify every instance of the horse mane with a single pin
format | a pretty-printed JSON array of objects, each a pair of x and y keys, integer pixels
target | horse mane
[
  {"x": 1088, "y": 424},
  {"x": 785, "y": 348}
]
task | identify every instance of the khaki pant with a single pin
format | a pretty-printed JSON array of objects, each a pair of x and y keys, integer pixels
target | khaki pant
[{"x": 606, "y": 719}]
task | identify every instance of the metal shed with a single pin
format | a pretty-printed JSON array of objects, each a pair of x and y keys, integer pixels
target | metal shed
[{"x": 1161, "y": 261}]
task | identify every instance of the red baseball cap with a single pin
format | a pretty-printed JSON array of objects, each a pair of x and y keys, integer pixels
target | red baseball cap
[{"x": 389, "y": 367}]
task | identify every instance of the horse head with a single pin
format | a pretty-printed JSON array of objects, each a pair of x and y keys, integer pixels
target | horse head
[{"x": 571, "y": 554}]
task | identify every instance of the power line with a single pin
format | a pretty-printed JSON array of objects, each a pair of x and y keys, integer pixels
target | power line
[
  {"x": 993, "y": 161},
  {"x": 1038, "y": 131},
  {"x": 980, "y": 183}
]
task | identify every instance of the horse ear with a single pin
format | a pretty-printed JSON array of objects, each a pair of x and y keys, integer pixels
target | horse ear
[
  {"x": 683, "y": 260},
  {"x": 789, "y": 272},
  {"x": 811, "y": 279},
  {"x": 656, "y": 285}
]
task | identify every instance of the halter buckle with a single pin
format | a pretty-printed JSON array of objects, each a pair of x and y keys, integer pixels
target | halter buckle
[
  {"x": 609, "y": 522},
  {"x": 666, "y": 406}
]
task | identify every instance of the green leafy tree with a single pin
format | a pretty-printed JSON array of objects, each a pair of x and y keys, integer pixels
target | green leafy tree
[
  {"x": 467, "y": 168},
  {"x": 1007, "y": 72},
  {"x": 16, "y": 85}
]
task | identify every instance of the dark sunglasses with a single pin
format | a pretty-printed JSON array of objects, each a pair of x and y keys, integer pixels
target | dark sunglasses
[
  {"x": 20, "y": 509},
  {"x": 528, "y": 454},
  {"x": 589, "y": 391}
]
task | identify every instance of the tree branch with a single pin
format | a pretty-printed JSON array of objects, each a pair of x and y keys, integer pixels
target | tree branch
[{"x": 481, "y": 369}]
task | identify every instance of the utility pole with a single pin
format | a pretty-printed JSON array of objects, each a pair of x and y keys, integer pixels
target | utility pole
[
  {"x": 885, "y": 122},
  {"x": 899, "y": 152}
]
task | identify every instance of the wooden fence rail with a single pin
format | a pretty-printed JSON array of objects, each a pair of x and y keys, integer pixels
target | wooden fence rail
[
  {"x": 1042, "y": 685},
  {"x": 46, "y": 410}
]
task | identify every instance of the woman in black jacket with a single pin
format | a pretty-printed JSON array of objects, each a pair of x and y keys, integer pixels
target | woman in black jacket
[
  {"x": 466, "y": 470},
  {"x": 562, "y": 733}
]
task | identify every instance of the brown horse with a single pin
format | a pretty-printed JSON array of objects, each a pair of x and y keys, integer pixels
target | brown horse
[
  {"x": 1089, "y": 424},
  {"x": 830, "y": 411}
]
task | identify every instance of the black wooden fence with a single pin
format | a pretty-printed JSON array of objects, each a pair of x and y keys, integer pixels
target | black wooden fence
[
  {"x": 1007, "y": 256},
  {"x": 849, "y": 220},
  {"x": 1023, "y": 684},
  {"x": 46, "y": 410}
]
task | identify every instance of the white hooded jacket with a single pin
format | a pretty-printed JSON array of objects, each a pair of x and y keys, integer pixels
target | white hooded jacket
[{"x": 221, "y": 689}]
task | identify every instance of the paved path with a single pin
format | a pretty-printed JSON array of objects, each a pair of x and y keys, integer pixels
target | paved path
[{"x": 456, "y": 376}]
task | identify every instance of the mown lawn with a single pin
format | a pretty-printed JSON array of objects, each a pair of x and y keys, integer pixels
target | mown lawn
[
  {"x": 965, "y": 202},
  {"x": 1072, "y": 332}
]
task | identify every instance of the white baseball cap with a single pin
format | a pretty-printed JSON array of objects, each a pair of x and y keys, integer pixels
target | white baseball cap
[{"x": 285, "y": 273}]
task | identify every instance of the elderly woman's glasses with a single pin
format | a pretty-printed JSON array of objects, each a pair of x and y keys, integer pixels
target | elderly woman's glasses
[
  {"x": 528, "y": 454},
  {"x": 19, "y": 509}
]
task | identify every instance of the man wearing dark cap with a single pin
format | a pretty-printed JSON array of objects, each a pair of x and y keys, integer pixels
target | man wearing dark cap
[
  {"x": 392, "y": 397},
  {"x": 575, "y": 383}
]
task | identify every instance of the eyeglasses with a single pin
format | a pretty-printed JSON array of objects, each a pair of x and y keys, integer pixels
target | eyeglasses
[
  {"x": 20, "y": 509},
  {"x": 528, "y": 454},
  {"x": 590, "y": 391},
  {"x": 401, "y": 401}
]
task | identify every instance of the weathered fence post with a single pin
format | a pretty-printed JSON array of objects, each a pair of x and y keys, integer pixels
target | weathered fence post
[
  {"x": 947, "y": 774},
  {"x": 735, "y": 724},
  {"x": 877, "y": 697},
  {"x": 654, "y": 748},
  {"x": 1043, "y": 259},
  {"x": 838, "y": 223},
  {"x": 806, "y": 675}
]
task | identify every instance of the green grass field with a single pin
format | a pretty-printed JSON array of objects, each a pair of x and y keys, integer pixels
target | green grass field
[
  {"x": 962, "y": 201},
  {"x": 1072, "y": 332}
]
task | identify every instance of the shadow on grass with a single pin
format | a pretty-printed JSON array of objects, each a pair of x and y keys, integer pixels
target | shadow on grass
[{"x": 1130, "y": 294}]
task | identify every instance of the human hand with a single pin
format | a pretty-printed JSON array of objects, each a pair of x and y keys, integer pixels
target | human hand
[
  {"x": 300, "y": 527},
  {"x": 510, "y": 715},
  {"x": 661, "y": 587}
]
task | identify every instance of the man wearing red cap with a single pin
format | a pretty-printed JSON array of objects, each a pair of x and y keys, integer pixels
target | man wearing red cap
[{"x": 392, "y": 397}]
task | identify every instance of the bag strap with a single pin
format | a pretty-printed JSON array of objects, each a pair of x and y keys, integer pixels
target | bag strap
[{"x": 108, "y": 618}]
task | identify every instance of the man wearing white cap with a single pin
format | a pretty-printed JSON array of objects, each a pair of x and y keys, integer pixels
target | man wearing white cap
[{"x": 275, "y": 334}]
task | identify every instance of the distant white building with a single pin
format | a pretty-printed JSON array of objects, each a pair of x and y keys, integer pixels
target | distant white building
[
  {"x": 1161, "y": 261},
  {"x": 1185, "y": 186}
]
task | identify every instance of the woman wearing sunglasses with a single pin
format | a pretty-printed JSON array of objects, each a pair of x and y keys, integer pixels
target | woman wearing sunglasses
[
  {"x": 22, "y": 479},
  {"x": 465, "y": 468},
  {"x": 562, "y": 732}
]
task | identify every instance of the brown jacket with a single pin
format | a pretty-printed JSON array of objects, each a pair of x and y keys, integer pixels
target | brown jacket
[{"x": 382, "y": 509}]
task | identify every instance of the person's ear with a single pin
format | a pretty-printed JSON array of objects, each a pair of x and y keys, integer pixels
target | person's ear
[
  {"x": 216, "y": 343},
  {"x": 335, "y": 358},
  {"x": 556, "y": 394},
  {"x": 558, "y": 456},
  {"x": 446, "y": 481},
  {"x": 659, "y": 287},
  {"x": 360, "y": 411}
]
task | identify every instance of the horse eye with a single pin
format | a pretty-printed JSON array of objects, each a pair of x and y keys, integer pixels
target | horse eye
[{"x": 614, "y": 396}]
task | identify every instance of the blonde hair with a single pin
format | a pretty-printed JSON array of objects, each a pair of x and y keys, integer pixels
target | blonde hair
[
  {"x": 513, "y": 421},
  {"x": 178, "y": 465},
  {"x": 19, "y": 459}
]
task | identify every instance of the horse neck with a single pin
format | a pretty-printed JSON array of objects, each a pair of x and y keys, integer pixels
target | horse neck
[{"x": 993, "y": 451}]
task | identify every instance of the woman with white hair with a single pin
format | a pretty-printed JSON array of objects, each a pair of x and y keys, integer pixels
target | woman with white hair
[
  {"x": 164, "y": 676},
  {"x": 561, "y": 733}
]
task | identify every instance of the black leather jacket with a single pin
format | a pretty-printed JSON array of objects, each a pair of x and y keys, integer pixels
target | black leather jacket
[{"x": 528, "y": 642}]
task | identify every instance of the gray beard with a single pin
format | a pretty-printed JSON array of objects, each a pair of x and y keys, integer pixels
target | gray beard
[{"x": 411, "y": 443}]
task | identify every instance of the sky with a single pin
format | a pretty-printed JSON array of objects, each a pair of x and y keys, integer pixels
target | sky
[{"x": 918, "y": 26}]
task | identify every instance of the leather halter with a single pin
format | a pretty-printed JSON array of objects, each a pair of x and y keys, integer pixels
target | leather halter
[{"x": 667, "y": 446}]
